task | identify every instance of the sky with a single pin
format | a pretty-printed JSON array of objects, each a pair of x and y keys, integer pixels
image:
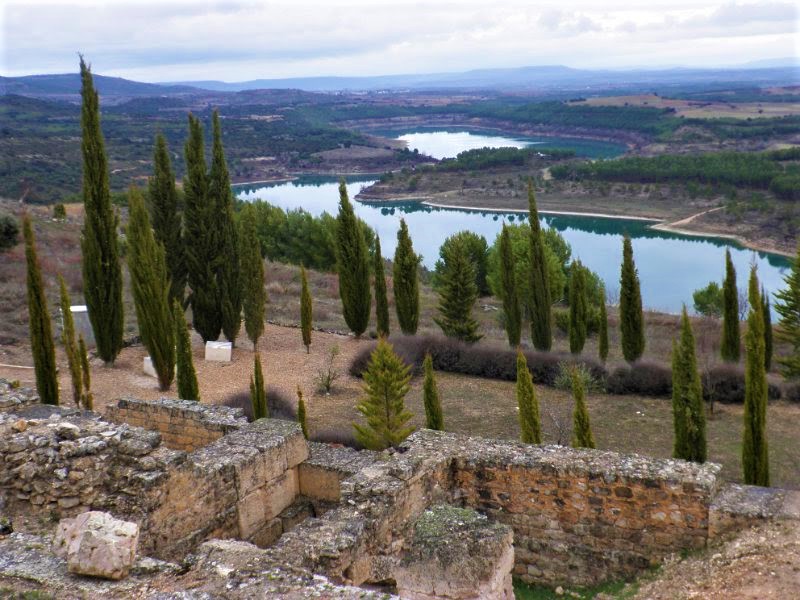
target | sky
[{"x": 235, "y": 41}]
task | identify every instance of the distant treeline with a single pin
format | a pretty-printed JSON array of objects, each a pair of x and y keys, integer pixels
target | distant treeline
[{"x": 485, "y": 158}]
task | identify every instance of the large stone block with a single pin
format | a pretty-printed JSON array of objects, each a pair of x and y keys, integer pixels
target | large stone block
[
  {"x": 252, "y": 510},
  {"x": 319, "y": 483},
  {"x": 219, "y": 351},
  {"x": 281, "y": 492}
]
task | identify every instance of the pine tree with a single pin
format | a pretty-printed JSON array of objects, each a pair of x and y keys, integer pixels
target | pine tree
[
  {"x": 301, "y": 412},
  {"x": 512, "y": 312},
  {"x": 434, "y": 419},
  {"x": 102, "y": 273},
  {"x": 688, "y": 410},
  {"x": 386, "y": 383},
  {"x": 162, "y": 196},
  {"x": 768, "y": 343},
  {"x": 251, "y": 271},
  {"x": 258, "y": 392},
  {"x": 602, "y": 344},
  {"x": 578, "y": 308},
  {"x": 406, "y": 282},
  {"x": 755, "y": 459},
  {"x": 787, "y": 306},
  {"x": 352, "y": 264},
  {"x": 631, "y": 317},
  {"x": 68, "y": 340},
  {"x": 305, "y": 310},
  {"x": 381, "y": 299},
  {"x": 42, "y": 347},
  {"x": 457, "y": 294},
  {"x": 220, "y": 197},
  {"x": 527, "y": 403},
  {"x": 541, "y": 333},
  {"x": 87, "y": 400},
  {"x": 187, "y": 378},
  {"x": 729, "y": 347},
  {"x": 581, "y": 429}
]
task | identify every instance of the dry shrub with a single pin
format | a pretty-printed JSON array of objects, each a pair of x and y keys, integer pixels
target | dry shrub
[
  {"x": 792, "y": 392},
  {"x": 725, "y": 383},
  {"x": 278, "y": 402},
  {"x": 343, "y": 436},
  {"x": 644, "y": 378}
]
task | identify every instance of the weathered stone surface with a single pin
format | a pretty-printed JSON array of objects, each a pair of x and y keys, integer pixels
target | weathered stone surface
[
  {"x": 738, "y": 506},
  {"x": 13, "y": 399}
]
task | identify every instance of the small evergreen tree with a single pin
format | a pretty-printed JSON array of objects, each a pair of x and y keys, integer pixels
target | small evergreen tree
[
  {"x": 381, "y": 299},
  {"x": 406, "y": 282},
  {"x": 305, "y": 310},
  {"x": 434, "y": 419},
  {"x": 386, "y": 383},
  {"x": 301, "y": 412},
  {"x": 631, "y": 317},
  {"x": 755, "y": 459},
  {"x": 581, "y": 429},
  {"x": 787, "y": 306},
  {"x": 541, "y": 330},
  {"x": 729, "y": 347},
  {"x": 41, "y": 333},
  {"x": 187, "y": 378},
  {"x": 602, "y": 344},
  {"x": 352, "y": 264},
  {"x": 512, "y": 312},
  {"x": 87, "y": 400},
  {"x": 251, "y": 270},
  {"x": 70, "y": 345},
  {"x": 768, "y": 344},
  {"x": 258, "y": 392},
  {"x": 578, "y": 308},
  {"x": 457, "y": 295},
  {"x": 527, "y": 403},
  {"x": 688, "y": 410}
]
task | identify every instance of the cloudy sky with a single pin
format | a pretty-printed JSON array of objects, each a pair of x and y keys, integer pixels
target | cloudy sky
[{"x": 233, "y": 41}]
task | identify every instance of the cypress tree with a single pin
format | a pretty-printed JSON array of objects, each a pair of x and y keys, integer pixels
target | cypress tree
[
  {"x": 755, "y": 459},
  {"x": 352, "y": 264},
  {"x": 102, "y": 273},
  {"x": 254, "y": 295},
  {"x": 381, "y": 299},
  {"x": 729, "y": 347},
  {"x": 227, "y": 259},
  {"x": 512, "y": 312},
  {"x": 541, "y": 334},
  {"x": 187, "y": 378},
  {"x": 301, "y": 412},
  {"x": 87, "y": 400},
  {"x": 305, "y": 310},
  {"x": 581, "y": 429},
  {"x": 787, "y": 306},
  {"x": 162, "y": 196},
  {"x": 150, "y": 286},
  {"x": 406, "y": 282},
  {"x": 457, "y": 295},
  {"x": 70, "y": 346},
  {"x": 258, "y": 392},
  {"x": 201, "y": 238},
  {"x": 602, "y": 344},
  {"x": 578, "y": 308},
  {"x": 631, "y": 317},
  {"x": 41, "y": 333},
  {"x": 434, "y": 419},
  {"x": 768, "y": 344},
  {"x": 386, "y": 382},
  {"x": 688, "y": 410},
  {"x": 529, "y": 422}
]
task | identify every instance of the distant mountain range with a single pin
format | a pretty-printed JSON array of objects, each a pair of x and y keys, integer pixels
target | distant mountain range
[{"x": 67, "y": 84}]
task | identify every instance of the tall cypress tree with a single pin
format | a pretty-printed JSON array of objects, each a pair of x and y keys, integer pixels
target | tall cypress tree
[
  {"x": 581, "y": 428},
  {"x": 755, "y": 458},
  {"x": 306, "y": 311},
  {"x": 430, "y": 394},
  {"x": 406, "y": 282},
  {"x": 631, "y": 317},
  {"x": 729, "y": 347},
  {"x": 578, "y": 308},
  {"x": 70, "y": 345},
  {"x": 768, "y": 343},
  {"x": 150, "y": 286},
  {"x": 251, "y": 271},
  {"x": 187, "y": 378},
  {"x": 541, "y": 330},
  {"x": 227, "y": 259},
  {"x": 352, "y": 264},
  {"x": 512, "y": 312},
  {"x": 201, "y": 238},
  {"x": 457, "y": 295},
  {"x": 688, "y": 410},
  {"x": 301, "y": 412},
  {"x": 42, "y": 348},
  {"x": 381, "y": 299},
  {"x": 527, "y": 403},
  {"x": 258, "y": 391},
  {"x": 787, "y": 306},
  {"x": 602, "y": 343},
  {"x": 102, "y": 273},
  {"x": 87, "y": 400},
  {"x": 162, "y": 196}
]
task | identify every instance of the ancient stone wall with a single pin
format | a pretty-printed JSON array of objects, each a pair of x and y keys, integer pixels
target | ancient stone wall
[{"x": 13, "y": 397}]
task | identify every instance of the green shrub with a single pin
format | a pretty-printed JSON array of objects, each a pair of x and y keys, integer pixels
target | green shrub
[
  {"x": 59, "y": 211},
  {"x": 9, "y": 232}
]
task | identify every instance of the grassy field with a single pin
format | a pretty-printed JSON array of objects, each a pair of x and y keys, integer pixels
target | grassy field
[{"x": 700, "y": 109}]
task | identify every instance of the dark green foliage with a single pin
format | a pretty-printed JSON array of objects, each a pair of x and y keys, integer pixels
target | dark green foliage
[
  {"x": 187, "y": 378},
  {"x": 755, "y": 458},
  {"x": 59, "y": 211},
  {"x": 529, "y": 421},
  {"x": 406, "y": 282},
  {"x": 787, "y": 306},
  {"x": 541, "y": 334},
  {"x": 512, "y": 314},
  {"x": 220, "y": 197},
  {"x": 709, "y": 301},
  {"x": 381, "y": 298},
  {"x": 162, "y": 196},
  {"x": 258, "y": 392},
  {"x": 70, "y": 345},
  {"x": 478, "y": 253},
  {"x": 251, "y": 272},
  {"x": 768, "y": 343},
  {"x": 87, "y": 400},
  {"x": 102, "y": 273},
  {"x": 9, "y": 232},
  {"x": 457, "y": 295},
  {"x": 581, "y": 428},
  {"x": 631, "y": 317},
  {"x": 434, "y": 419},
  {"x": 602, "y": 334},
  {"x": 305, "y": 310},
  {"x": 488, "y": 158},
  {"x": 41, "y": 332},
  {"x": 688, "y": 410},
  {"x": 386, "y": 383},
  {"x": 730, "y": 313},
  {"x": 352, "y": 262},
  {"x": 301, "y": 412},
  {"x": 578, "y": 309}
]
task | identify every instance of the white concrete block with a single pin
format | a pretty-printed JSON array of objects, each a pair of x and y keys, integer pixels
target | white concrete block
[
  {"x": 148, "y": 368},
  {"x": 219, "y": 351},
  {"x": 83, "y": 326}
]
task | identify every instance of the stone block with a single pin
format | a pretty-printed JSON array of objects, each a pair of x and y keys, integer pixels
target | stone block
[
  {"x": 268, "y": 533},
  {"x": 83, "y": 326},
  {"x": 252, "y": 511},
  {"x": 296, "y": 449},
  {"x": 281, "y": 492},
  {"x": 300, "y": 510},
  {"x": 148, "y": 368},
  {"x": 319, "y": 483},
  {"x": 219, "y": 351}
]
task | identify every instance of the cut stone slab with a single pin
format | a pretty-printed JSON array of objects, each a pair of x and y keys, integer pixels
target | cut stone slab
[
  {"x": 97, "y": 544},
  {"x": 219, "y": 351},
  {"x": 148, "y": 368},
  {"x": 83, "y": 326}
]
